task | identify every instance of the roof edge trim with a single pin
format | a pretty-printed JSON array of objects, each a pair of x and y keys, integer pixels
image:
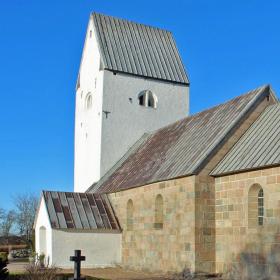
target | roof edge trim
[{"x": 247, "y": 110}]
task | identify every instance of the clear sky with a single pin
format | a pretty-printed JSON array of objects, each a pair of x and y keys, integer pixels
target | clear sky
[{"x": 228, "y": 48}]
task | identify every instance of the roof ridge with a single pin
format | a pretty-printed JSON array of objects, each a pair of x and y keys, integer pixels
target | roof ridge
[
  {"x": 260, "y": 88},
  {"x": 240, "y": 159},
  {"x": 130, "y": 21},
  {"x": 160, "y": 50},
  {"x": 259, "y": 91}
]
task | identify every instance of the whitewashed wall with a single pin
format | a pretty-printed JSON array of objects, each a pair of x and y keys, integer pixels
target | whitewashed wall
[
  {"x": 99, "y": 141},
  {"x": 100, "y": 249},
  {"x": 43, "y": 221},
  {"x": 128, "y": 121},
  {"x": 88, "y": 122}
]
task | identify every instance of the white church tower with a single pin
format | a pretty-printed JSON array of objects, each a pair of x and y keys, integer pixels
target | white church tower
[{"x": 131, "y": 81}]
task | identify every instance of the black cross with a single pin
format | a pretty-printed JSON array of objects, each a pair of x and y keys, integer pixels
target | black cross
[
  {"x": 106, "y": 113},
  {"x": 77, "y": 264}
]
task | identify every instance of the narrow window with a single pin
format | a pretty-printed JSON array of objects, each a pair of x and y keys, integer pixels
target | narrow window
[
  {"x": 159, "y": 212},
  {"x": 255, "y": 206},
  {"x": 260, "y": 207},
  {"x": 89, "y": 101},
  {"x": 129, "y": 218}
]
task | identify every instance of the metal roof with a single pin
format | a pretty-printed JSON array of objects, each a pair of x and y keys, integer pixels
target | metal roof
[
  {"x": 138, "y": 49},
  {"x": 258, "y": 147},
  {"x": 69, "y": 210},
  {"x": 179, "y": 149}
]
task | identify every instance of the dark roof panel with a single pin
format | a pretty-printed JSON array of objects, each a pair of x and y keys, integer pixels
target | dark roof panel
[
  {"x": 258, "y": 147},
  {"x": 138, "y": 49},
  {"x": 80, "y": 211},
  {"x": 179, "y": 149}
]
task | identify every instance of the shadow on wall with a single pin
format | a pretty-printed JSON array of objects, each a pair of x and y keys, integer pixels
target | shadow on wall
[{"x": 260, "y": 260}]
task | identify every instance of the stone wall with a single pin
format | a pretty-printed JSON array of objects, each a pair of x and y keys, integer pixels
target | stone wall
[
  {"x": 205, "y": 231},
  {"x": 147, "y": 247},
  {"x": 237, "y": 240},
  {"x": 188, "y": 237}
]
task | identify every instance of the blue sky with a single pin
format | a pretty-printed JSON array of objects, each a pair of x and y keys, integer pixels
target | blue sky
[{"x": 228, "y": 47}]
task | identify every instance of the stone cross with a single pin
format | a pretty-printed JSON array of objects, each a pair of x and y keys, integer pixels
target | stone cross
[{"x": 77, "y": 259}]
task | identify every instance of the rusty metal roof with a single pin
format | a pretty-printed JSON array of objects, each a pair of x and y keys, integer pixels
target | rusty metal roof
[
  {"x": 138, "y": 49},
  {"x": 179, "y": 149},
  {"x": 69, "y": 210},
  {"x": 258, "y": 147}
]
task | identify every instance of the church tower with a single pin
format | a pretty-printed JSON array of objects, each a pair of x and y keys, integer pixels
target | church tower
[{"x": 131, "y": 81}]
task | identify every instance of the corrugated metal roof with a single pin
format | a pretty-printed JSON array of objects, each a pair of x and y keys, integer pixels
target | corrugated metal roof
[
  {"x": 138, "y": 49},
  {"x": 258, "y": 147},
  {"x": 69, "y": 210},
  {"x": 179, "y": 149}
]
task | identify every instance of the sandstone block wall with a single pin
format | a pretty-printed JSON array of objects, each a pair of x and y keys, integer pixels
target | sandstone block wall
[
  {"x": 147, "y": 247},
  {"x": 235, "y": 237}
]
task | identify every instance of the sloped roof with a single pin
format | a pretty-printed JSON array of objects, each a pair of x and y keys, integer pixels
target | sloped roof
[
  {"x": 179, "y": 149},
  {"x": 258, "y": 147},
  {"x": 138, "y": 49},
  {"x": 69, "y": 210}
]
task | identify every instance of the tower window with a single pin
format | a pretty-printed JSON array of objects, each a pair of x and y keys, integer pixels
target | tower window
[
  {"x": 147, "y": 99},
  {"x": 141, "y": 100},
  {"x": 89, "y": 101}
]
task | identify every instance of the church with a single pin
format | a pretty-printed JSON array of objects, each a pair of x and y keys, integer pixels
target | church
[{"x": 155, "y": 188}]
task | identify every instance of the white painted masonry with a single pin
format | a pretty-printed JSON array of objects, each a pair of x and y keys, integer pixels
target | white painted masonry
[
  {"x": 127, "y": 120},
  {"x": 101, "y": 248},
  {"x": 43, "y": 239},
  {"x": 116, "y": 121},
  {"x": 88, "y": 121}
]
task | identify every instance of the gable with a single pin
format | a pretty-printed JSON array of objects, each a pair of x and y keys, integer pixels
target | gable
[
  {"x": 138, "y": 49},
  {"x": 180, "y": 149},
  {"x": 258, "y": 147},
  {"x": 41, "y": 216}
]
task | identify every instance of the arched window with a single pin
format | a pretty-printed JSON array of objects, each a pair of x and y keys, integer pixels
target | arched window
[
  {"x": 147, "y": 99},
  {"x": 255, "y": 206},
  {"x": 88, "y": 101},
  {"x": 159, "y": 212},
  {"x": 129, "y": 218}
]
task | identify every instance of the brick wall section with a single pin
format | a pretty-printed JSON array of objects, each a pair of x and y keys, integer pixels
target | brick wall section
[
  {"x": 233, "y": 235},
  {"x": 149, "y": 249}
]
